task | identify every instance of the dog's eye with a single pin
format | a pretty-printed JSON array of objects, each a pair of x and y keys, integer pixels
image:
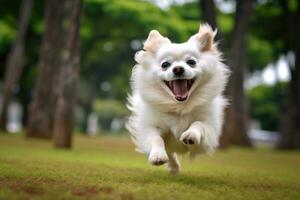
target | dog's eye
[
  {"x": 165, "y": 65},
  {"x": 191, "y": 62}
]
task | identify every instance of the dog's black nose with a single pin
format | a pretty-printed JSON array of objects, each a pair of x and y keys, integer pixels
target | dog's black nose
[{"x": 178, "y": 71}]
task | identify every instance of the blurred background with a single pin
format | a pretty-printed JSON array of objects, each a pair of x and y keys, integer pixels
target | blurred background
[{"x": 66, "y": 65}]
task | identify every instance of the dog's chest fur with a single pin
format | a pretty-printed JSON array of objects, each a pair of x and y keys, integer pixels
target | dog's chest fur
[{"x": 176, "y": 123}]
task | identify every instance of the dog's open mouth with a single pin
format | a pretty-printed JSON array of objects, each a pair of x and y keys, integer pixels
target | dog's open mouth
[{"x": 180, "y": 88}]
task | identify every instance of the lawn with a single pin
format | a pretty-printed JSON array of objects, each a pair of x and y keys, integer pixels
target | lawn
[{"x": 108, "y": 168}]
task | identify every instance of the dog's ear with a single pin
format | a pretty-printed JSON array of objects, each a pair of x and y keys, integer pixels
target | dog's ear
[
  {"x": 154, "y": 40},
  {"x": 205, "y": 38}
]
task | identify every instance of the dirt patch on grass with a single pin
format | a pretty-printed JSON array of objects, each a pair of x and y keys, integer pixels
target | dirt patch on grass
[
  {"x": 93, "y": 191},
  {"x": 126, "y": 196},
  {"x": 29, "y": 187},
  {"x": 89, "y": 191}
]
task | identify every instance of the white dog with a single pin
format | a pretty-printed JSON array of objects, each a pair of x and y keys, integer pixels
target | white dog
[{"x": 176, "y": 103}]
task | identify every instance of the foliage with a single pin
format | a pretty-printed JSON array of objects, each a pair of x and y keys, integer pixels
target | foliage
[
  {"x": 266, "y": 104},
  {"x": 105, "y": 106},
  {"x": 6, "y": 34},
  {"x": 108, "y": 168},
  {"x": 268, "y": 25},
  {"x": 260, "y": 53},
  {"x": 107, "y": 110}
]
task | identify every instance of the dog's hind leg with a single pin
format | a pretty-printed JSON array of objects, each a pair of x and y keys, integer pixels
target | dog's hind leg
[{"x": 173, "y": 163}]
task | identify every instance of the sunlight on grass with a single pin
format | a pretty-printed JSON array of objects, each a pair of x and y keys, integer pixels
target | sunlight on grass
[{"x": 108, "y": 168}]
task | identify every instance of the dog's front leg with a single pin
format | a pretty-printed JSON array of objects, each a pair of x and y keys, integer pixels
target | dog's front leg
[
  {"x": 201, "y": 133},
  {"x": 158, "y": 154}
]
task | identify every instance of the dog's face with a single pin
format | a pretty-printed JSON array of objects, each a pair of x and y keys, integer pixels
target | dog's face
[{"x": 177, "y": 69}]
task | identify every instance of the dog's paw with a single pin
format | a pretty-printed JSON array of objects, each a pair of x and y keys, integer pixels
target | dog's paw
[
  {"x": 190, "y": 138},
  {"x": 158, "y": 157},
  {"x": 174, "y": 169},
  {"x": 173, "y": 165}
]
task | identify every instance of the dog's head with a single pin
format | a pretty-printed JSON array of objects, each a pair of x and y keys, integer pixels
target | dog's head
[{"x": 175, "y": 73}]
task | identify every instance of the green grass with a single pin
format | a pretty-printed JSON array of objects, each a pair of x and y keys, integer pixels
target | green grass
[{"x": 108, "y": 168}]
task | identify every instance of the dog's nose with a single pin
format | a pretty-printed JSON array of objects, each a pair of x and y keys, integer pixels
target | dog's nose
[{"x": 178, "y": 71}]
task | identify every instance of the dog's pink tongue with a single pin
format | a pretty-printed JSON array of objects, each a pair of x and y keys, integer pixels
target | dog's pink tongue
[{"x": 180, "y": 89}]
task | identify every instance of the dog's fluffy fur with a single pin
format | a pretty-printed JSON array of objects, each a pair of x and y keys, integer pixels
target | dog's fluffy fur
[{"x": 164, "y": 122}]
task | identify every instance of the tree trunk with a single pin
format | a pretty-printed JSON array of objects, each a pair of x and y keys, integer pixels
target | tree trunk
[
  {"x": 290, "y": 130},
  {"x": 41, "y": 110},
  {"x": 208, "y": 12},
  {"x": 69, "y": 77},
  {"x": 236, "y": 115},
  {"x": 15, "y": 62}
]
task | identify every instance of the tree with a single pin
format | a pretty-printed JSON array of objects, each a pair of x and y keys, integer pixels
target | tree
[
  {"x": 290, "y": 130},
  {"x": 15, "y": 61},
  {"x": 68, "y": 82},
  {"x": 235, "y": 128},
  {"x": 208, "y": 12},
  {"x": 42, "y": 107}
]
